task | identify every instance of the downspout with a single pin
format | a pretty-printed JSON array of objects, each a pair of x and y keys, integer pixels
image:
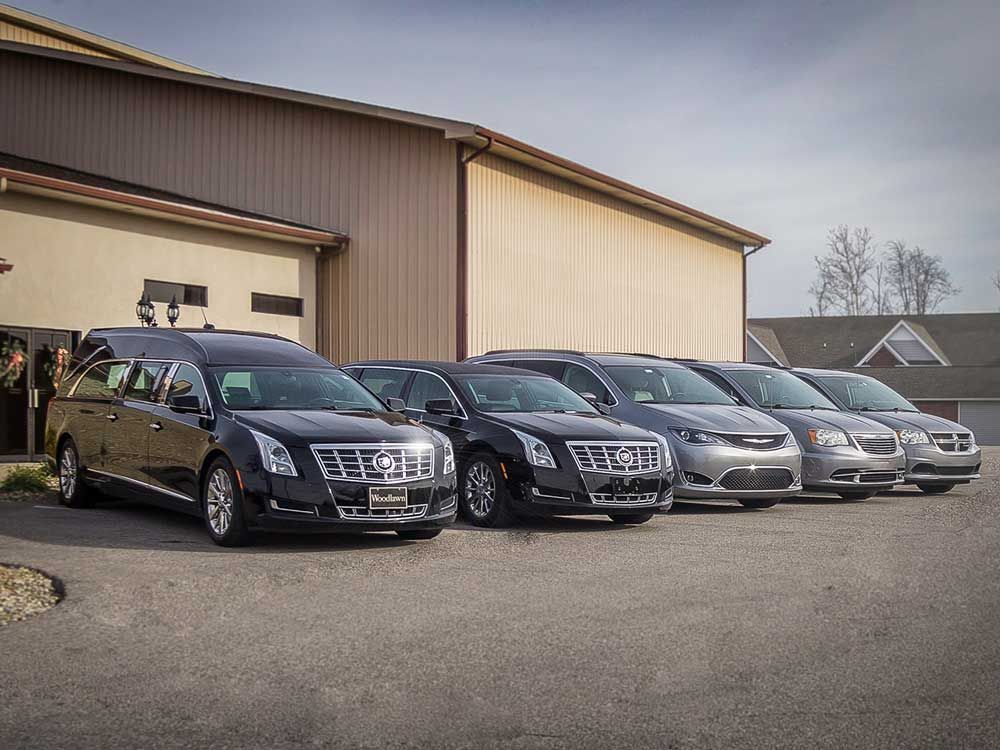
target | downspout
[
  {"x": 745, "y": 326},
  {"x": 462, "y": 264}
]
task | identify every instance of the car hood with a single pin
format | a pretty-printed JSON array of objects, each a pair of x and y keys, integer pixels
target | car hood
[
  {"x": 563, "y": 427},
  {"x": 909, "y": 420},
  {"x": 715, "y": 417},
  {"x": 827, "y": 419},
  {"x": 300, "y": 428}
]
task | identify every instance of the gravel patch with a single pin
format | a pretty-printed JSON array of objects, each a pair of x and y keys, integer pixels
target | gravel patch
[{"x": 25, "y": 592}]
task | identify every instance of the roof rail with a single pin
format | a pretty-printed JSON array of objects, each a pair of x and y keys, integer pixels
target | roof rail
[
  {"x": 532, "y": 349},
  {"x": 632, "y": 354}
]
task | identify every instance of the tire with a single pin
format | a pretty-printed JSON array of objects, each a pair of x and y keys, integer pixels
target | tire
[
  {"x": 769, "y": 502},
  {"x": 73, "y": 493},
  {"x": 630, "y": 519},
  {"x": 935, "y": 489},
  {"x": 222, "y": 505},
  {"x": 415, "y": 534},
  {"x": 857, "y": 495},
  {"x": 482, "y": 493}
]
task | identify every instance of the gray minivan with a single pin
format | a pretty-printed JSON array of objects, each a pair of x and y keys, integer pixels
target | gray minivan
[
  {"x": 939, "y": 453},
  {"x": 721, "y": 451},
  {"x": 848, "y": 454}
]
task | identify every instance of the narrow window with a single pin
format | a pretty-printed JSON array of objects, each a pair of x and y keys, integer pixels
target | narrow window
[
  {"x": 185, "y": 294},
  {"x": 275, "y": 304}
]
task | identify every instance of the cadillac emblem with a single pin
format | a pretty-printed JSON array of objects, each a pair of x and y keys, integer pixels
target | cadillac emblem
[
  {"x": 384, "y": 462},
  {"x": 625, "y": 457}
]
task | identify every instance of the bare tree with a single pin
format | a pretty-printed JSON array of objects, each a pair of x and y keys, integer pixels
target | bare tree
[
  {"x": 882, "y": 300},
  {"x": 918, "y": 279},
  {"x": 996, "y": 280},
  {"x": 843, "y": 282}
]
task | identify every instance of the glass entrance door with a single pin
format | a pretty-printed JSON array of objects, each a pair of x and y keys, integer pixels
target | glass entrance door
[{"x": 24, "y": 404}]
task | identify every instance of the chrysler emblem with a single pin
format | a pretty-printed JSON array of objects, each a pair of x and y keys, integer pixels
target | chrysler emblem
[
  {"x": 757, "y": 441},
  {"x": 624, "y": 456},
  {"x": 384, "y": 462}
]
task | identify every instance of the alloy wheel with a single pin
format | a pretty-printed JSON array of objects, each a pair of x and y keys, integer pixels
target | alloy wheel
[
  {"x": 480, "y": 489},
  {"x": 220, "y": 501},
  {"x": 67, "y": 472}
]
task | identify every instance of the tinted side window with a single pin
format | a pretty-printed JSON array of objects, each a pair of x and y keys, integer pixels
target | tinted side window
[
  {"x": 426, "y": 387},
  {"x": 187, "y": 382},
  {"x": 101, "y": 381},
  {"x": 582, "y": 380},
  {"x": 552, "y": 368},
  {"x": 143, "y": 381},
  {"x": 385, "y": 383},
  {"x": 720, "y": 382}
]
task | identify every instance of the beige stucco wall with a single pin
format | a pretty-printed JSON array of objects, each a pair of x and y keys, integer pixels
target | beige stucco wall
[
  {"x": 553, "y": 264},
  {"x": 78, "y": 267}
]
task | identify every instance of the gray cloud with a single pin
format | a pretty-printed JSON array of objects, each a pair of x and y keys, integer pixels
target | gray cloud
[{"x": 787, "y": 118}]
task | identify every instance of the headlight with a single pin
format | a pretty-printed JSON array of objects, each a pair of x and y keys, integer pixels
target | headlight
[
  {"x": 913, "y": 437},
  {"x": 538, "y": 453},
  {"x": 449, "y": 457},
  {"x": 696, "y": 437},
  {"x": 275, "y": 456},
  {"x": 667, "y": 461},
  {"x": 828, "y": 438}
]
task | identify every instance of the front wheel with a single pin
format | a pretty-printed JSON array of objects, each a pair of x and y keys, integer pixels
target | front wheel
[
  {"x": 857, "y": 495},
  {"x": 763, "y": 503},
  {"x": 483, "y": 494},
  {"x": 630, "y": 519},
  {"x": 935, "y": 489},
  {"x": 73, "y": 493},
  {"x": 222, "y": 505},
  {"x": 415, "y": 534}
]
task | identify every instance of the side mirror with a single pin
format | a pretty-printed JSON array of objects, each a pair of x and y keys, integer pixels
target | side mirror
[
  {"x": 395, "y": 404},
  {"x": 588, "y": 396},
  {"x": 604, "y": 409},
  {"x": 188, "y": 403},
  {"x": 439, "y": 406}
]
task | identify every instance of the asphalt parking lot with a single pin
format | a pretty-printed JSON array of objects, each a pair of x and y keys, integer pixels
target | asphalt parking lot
[{"x": 818, "y": 623}]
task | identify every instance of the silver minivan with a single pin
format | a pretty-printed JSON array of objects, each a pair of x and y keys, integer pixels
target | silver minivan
[
  {"x": 848, "y": 454},
  {"x": 722, "y": 452}
]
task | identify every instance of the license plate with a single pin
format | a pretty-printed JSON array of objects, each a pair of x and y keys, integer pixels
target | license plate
[
  {"x": 625, "y": 485},
  {"x": 387, "y": 498}
]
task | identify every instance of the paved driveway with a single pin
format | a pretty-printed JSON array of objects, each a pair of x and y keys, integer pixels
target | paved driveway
[{"x": 816, "y": 624}]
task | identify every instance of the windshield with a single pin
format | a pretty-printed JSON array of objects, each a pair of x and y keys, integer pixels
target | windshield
[
  {"x": 516, "y": 393},
  {"x": 666, "y": 385},
  {"x": 770, "y": 389},
  {"x": 862, "y": 393},
  {"x": 292, "y": 388}
]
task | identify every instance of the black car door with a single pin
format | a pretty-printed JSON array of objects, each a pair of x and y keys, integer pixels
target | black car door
[
  {"x": 427, "y": 386},
  {"x": 88, "y": 411},
  {"x": 180, "y": 434},
  {"x": 126, "y": 437}
]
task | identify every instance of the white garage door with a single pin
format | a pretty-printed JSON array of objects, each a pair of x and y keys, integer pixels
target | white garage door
[{"x": 983, "y": 418}]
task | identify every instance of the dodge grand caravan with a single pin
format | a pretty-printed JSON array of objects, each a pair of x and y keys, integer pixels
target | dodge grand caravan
[{"x": 248, "y": 431}]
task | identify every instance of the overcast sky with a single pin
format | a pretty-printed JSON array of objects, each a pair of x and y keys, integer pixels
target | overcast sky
[{"x": 785, "y": 117}]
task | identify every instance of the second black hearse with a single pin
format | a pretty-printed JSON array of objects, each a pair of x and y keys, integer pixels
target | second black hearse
[
  {"x": 526, "y": 444},
  {"x": 248, "y": 431}
]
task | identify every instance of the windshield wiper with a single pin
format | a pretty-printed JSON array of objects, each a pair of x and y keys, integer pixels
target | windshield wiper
[{"x": 786, "y": 406}]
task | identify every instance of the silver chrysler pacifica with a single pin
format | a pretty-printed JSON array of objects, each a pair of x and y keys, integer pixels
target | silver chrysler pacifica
[{"x": 722, "y": 452}]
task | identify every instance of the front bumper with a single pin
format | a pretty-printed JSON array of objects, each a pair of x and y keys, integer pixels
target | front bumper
[
  {"x": 703, "y": 471},
  {"x": 842, "y": 469},
  {"x": 316, "y": 504},
  {"x": 541, "y": 491},
  {"x": 927, "y": 464}
]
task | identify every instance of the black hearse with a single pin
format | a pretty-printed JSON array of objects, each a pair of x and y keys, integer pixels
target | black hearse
[
  {"x": 249, "y": 431},
  {"x": 528, "y": 445}
]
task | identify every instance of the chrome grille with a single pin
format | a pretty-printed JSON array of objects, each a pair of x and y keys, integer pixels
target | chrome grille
[
  {"x": 877, "y": 444},
  {"x": 754, "y": 442},
  {"x": 953, "y": 442},
  {"x": 406, "y": 462},
  {"x": 383, "y": 514},
  {"x": 616, "y": 458},
  {"x": 646, "y": 498},
  {"x": 747, "y": 479}
]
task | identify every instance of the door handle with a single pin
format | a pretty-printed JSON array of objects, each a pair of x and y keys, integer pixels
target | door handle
[
  {"x": 112, "y": 417},
  {"x": 156, "y": 426}
]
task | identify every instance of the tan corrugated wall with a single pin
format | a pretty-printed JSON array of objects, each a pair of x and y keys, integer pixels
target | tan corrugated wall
[
  {"x": 553, "y": 264},
  {"x": 391, "y": 187},
  {"x": 10, "y": 32}
]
